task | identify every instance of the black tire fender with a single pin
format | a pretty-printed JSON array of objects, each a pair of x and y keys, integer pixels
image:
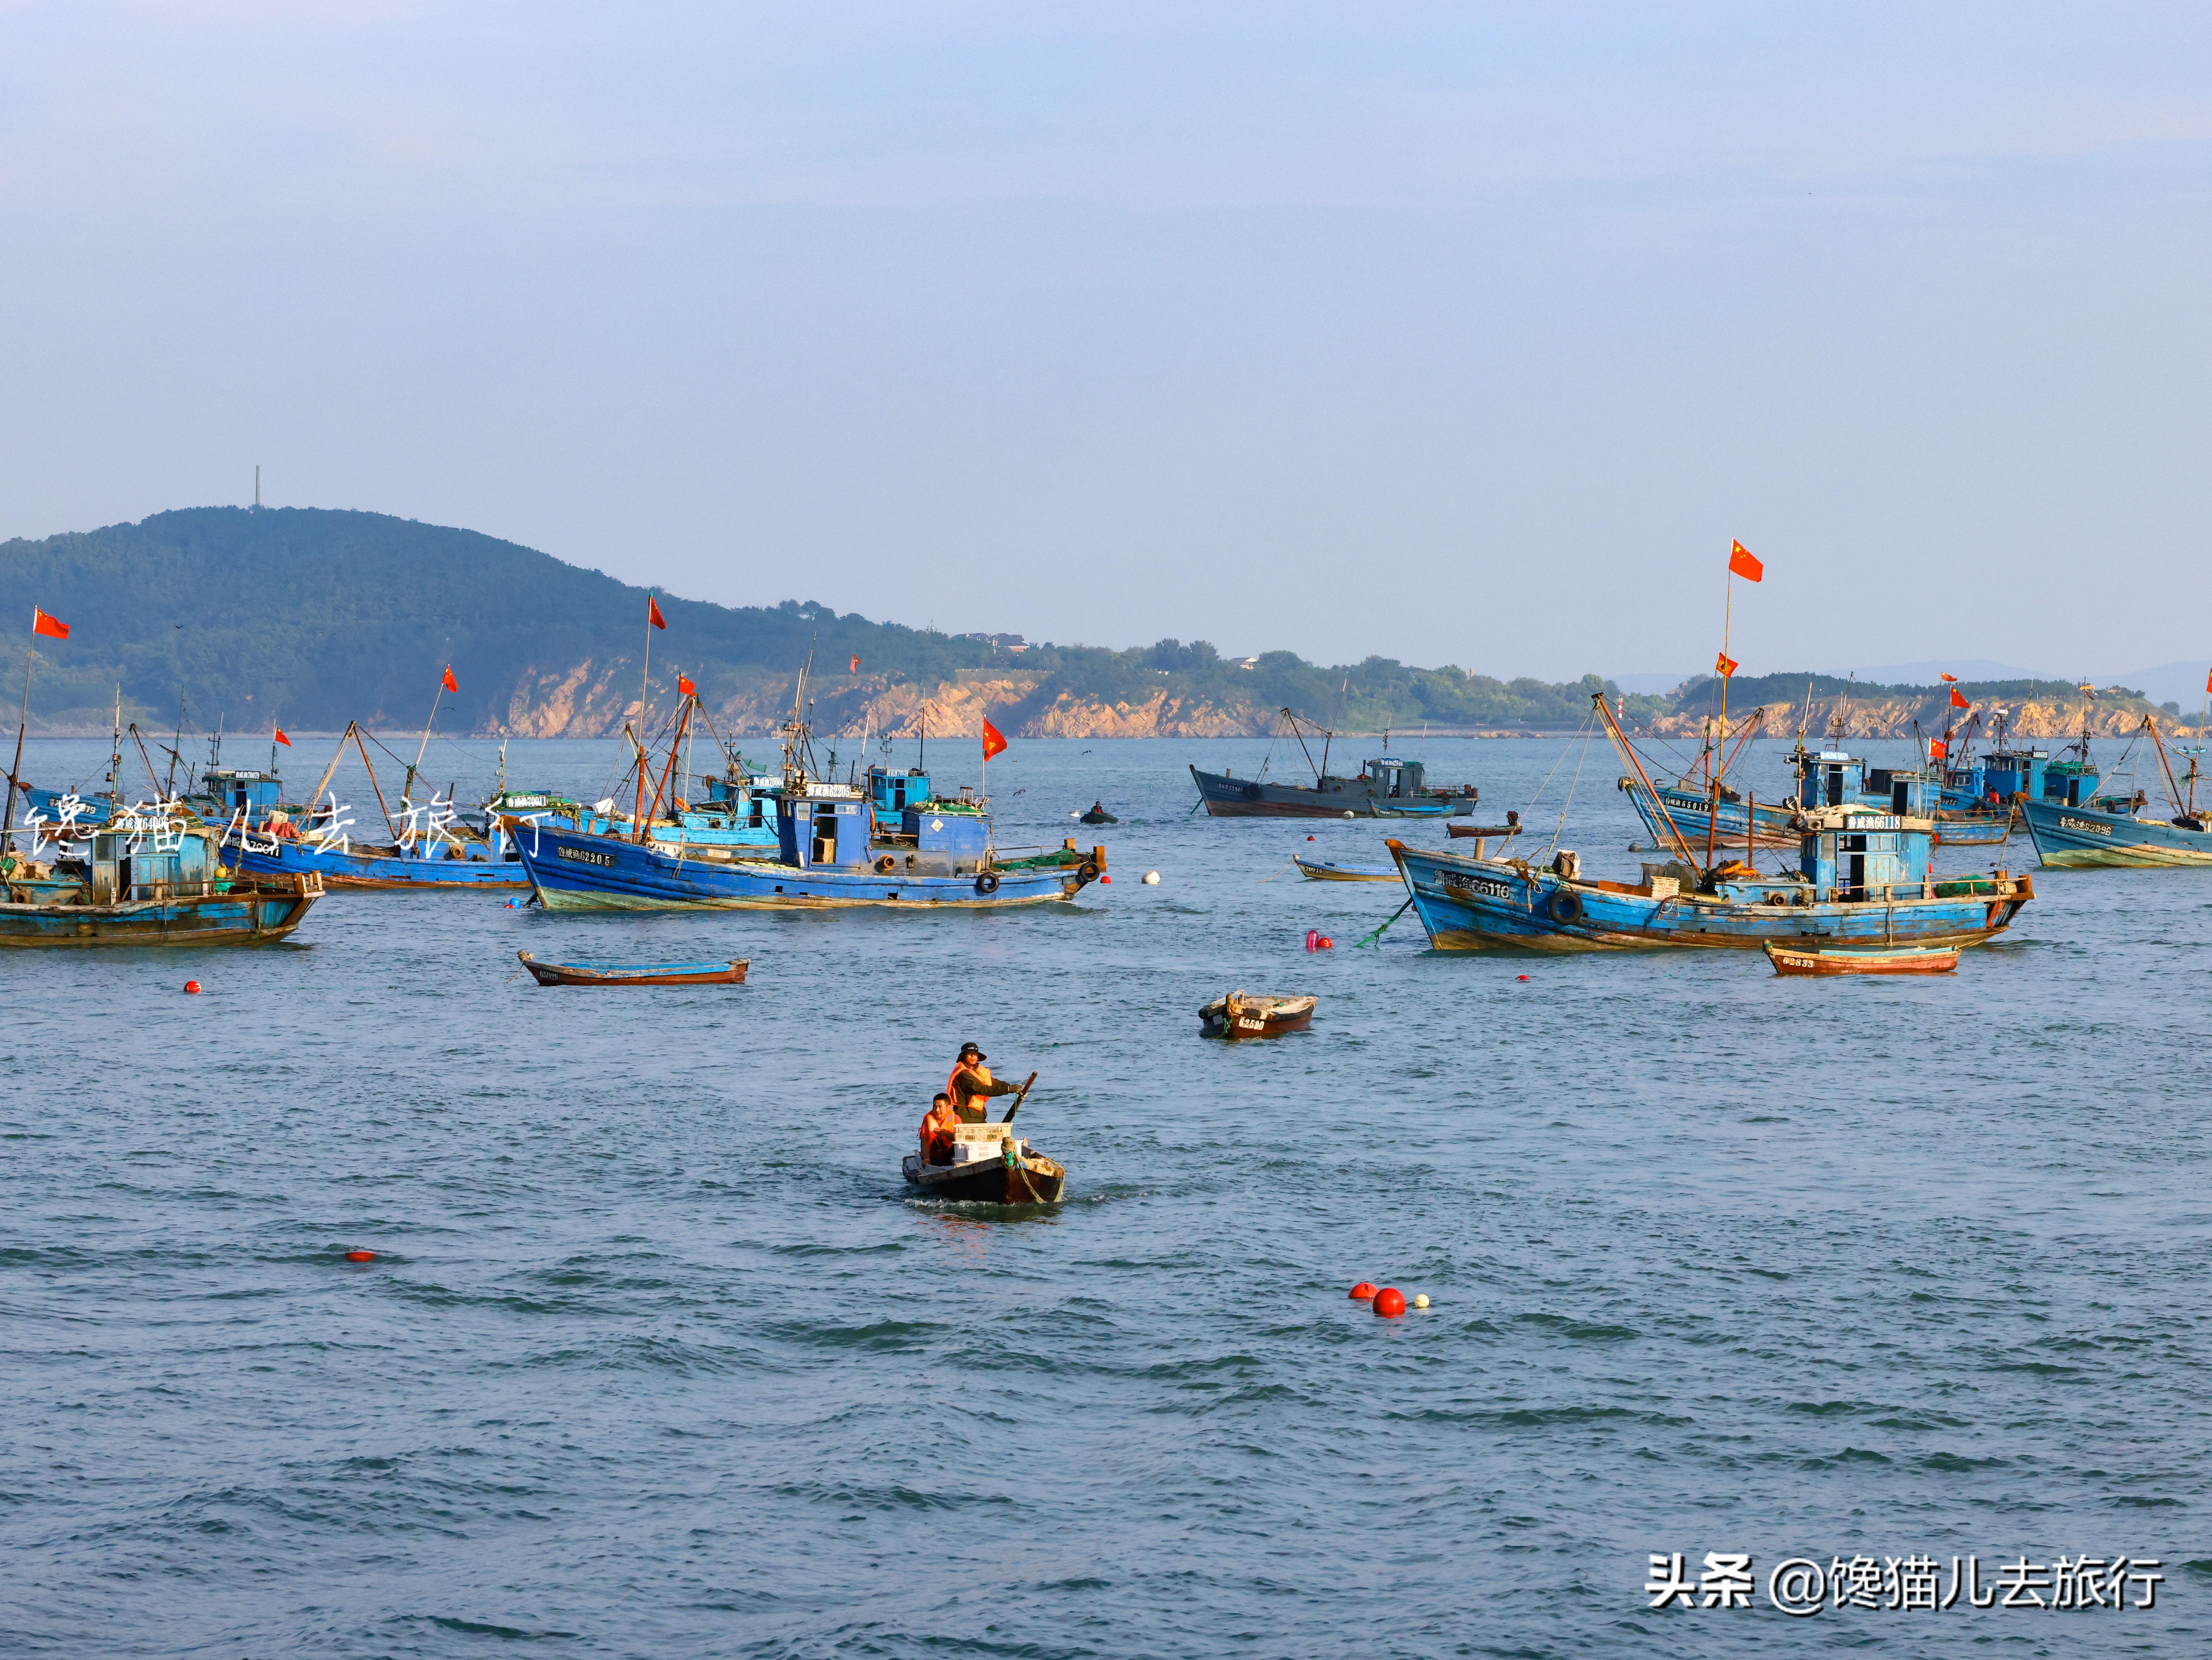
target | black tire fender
[
  {"x": 987, "y": 883},
  {"x": 1564, "y": 906}
]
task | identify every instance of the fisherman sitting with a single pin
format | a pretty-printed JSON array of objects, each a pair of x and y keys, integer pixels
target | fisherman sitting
[
  {"x": 970, "y": 1083},
  {"x": 937, "y": 1131}
]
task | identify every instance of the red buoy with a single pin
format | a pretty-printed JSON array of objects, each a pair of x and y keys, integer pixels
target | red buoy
[
  {"x": 1520, "y": 977},
  {"x": 1325, "y": 943},
  {"x": 191, "y": 989},
  {"x": 1390, "y": 1302},
  {"x": 1309, "y": 838},
  {"x": 1363, "y": 1290},
  {"x": 361, "y": 1256}
]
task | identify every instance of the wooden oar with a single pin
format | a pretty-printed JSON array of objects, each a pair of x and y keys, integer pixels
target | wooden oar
[{"x": 1020, "y": 1095}]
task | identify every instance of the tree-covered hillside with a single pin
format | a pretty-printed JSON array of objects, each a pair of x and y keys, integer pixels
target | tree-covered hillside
[{"x": 312, "y": 617}]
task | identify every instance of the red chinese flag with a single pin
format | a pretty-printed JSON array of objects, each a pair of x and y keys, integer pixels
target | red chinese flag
[
  {"x": 1959, "y": 699},
  {"x": 282, "y": 738},
  {"x": 1741, "y": 562},
  {"x": 1724, "y": 665},
  {"x": 652, "y": 613},
  {"x": 1950, "y": 677},
  {"x": 994, "y": 740},
  {"x": 2208, "y": 686},
  {"x": 684, "y": 686},
  {"x": 42, "y": 623},
  {"x": 856, "y": 665},
  {"x": 1938, "y": 749},
  {"x": 450, "y": 684}
]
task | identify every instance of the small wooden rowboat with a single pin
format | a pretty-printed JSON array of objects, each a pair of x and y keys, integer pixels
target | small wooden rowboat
[
  {"x": 1240, "y": 1015},
  {"x": 1852, "y": 959},
  {"x": 636, "y": 973},
  {"x": 1482, "y": 829},
  {"x": 1322, "y": 870},
  {"x": 991, "y": 1165}
]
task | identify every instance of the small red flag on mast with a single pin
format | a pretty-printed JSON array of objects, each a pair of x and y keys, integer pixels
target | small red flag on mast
[
  {"x": 450, "y": 685},
  {"x": 1741, "y": 562},
  {"x": 1950, "y": 677},
  {"x": 684, "y": 686},
  {"x": 1724, "y": 665},
  {"x": 856, "y": 664},
  {"x": 1958, "y": 700},
  {"x": 282, "y": 738},
  {"x": 42, "y": 623},
  {"x": 652, "y": 613},
  {"x": 2208, "y": 686},
  {"x": 994, "y": 740},
  {"x": 1938, "y": 749}
]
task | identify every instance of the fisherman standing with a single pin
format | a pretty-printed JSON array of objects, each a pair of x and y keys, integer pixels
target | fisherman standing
[{"x": 971, "y": 1083}]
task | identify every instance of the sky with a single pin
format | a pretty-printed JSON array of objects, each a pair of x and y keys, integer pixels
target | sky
[{"x": 1468, "y": 334}]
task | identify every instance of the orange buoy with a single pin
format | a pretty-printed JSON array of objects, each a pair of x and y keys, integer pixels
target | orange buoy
[
  {"x": 1363, "y": 1290},
  {"x": 1327, "y": 944},
  {"x": 1390, "y": 1302},
  {"x": 361, "y": 1256},
  {"x": 191, "y": 989}
]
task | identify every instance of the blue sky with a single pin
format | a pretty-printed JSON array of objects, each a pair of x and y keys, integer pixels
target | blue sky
[{"x": 1462, "y": 334}]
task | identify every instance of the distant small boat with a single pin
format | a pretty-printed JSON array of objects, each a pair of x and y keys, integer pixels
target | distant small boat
[
  {"x": 1903, "y": 959},
  {"x": 1239, "y": 1015},
  {"x": 1322, "y": 870},
  {"x": 1098, "y": 815},
  {"x": 636, "y": 973}
]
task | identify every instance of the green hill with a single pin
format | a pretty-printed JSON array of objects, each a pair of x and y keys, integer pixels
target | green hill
[{"x": 311, "y": 617}]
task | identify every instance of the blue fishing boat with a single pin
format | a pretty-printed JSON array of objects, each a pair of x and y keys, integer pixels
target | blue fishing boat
[
  {"x": 139, "y": 880},
  {"x": 1723, "y": 818},
  {"x": 2112, "y": 829},
  {"x": 430, "y": 846},
  {"x": 1863, "y": 878},
  {"x": 837, "y": 845}
]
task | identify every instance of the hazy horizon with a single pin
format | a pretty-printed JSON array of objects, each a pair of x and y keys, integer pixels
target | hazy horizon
[{"x": 1441, "y": 334}]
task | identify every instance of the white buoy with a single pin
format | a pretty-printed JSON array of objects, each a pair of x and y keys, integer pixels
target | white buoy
[
  {"x": 1151, "y": 878},
  {"x": 1422, "y": 1301}
]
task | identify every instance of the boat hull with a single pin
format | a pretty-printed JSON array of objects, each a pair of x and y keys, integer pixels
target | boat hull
[
  {"x": 269, "y": 911},
  {"x": 1250, "y": 798},
  {"x": 1476, "y": 905},
  {"x": 364, "y": 869},
  {"x": 635, "y": 974},
  {"x": 575, "y": 872},
  {"x": 1256, "y": 1017},
  {"x": 2084, "y": 838},
  {"x": 1315, "y": 870},
  {"x": 1039, "y": 1181},
  {"x": 1910, "y": 960},
  {"x": 1693, "y": 815}
]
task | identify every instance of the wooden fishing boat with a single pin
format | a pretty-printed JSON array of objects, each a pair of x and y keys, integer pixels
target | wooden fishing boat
[
  {"x": 991, "y": 1165},
  {"x": 1241, "y": 1015},
  {"x": 1324, "y": 870},
  {"x": 636, "y": 973},
  {"x": 1903, "y": 959},
  {"x": 148, "y": 881},
  {"x": 1386, "y": 788}
]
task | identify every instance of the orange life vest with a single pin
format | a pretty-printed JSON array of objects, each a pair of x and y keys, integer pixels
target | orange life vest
[
  {"x": 937, "y": 1133},
  {"x": 970, "y": 1080}
]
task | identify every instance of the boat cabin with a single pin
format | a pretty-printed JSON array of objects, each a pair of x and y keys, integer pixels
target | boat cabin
[
  {"x": 233, "y": 787},
  {"x": 1387, "y": 775},
  {"x": 822, "y": 824},
  {"x": 128, "y": 865},
  {"x": 2015, "y": 772},
  {"x": 892, "y": 793},
  {"x": 1830, "y": 779},
  {"x": 1854, "y": 852},
  {"x": 1909, "y": 793}
]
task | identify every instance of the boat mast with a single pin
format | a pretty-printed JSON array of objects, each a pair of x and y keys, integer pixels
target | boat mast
[
  {"x": 1628, "y": 754},
  {"x": 2172, "y": 790},
  {"x": 115, "y": 756},
  {"x": 8, "y": 820}
]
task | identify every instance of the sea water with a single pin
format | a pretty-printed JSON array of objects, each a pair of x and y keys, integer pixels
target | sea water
[{"x": 658, "y": 1357}]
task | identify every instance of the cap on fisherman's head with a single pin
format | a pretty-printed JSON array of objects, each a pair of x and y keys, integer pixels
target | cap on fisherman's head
[{"x": 967, "y": 1050}]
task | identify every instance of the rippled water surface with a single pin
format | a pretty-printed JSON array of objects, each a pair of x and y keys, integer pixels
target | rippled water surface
[{"x": 658, "y": 1359}]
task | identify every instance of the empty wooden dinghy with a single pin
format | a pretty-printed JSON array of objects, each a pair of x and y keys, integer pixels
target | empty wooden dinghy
[
  {"x": 636, "y": 973},
  {"x": 1854, "y": 959},
  {"x": 1241, "y": 1014}
]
